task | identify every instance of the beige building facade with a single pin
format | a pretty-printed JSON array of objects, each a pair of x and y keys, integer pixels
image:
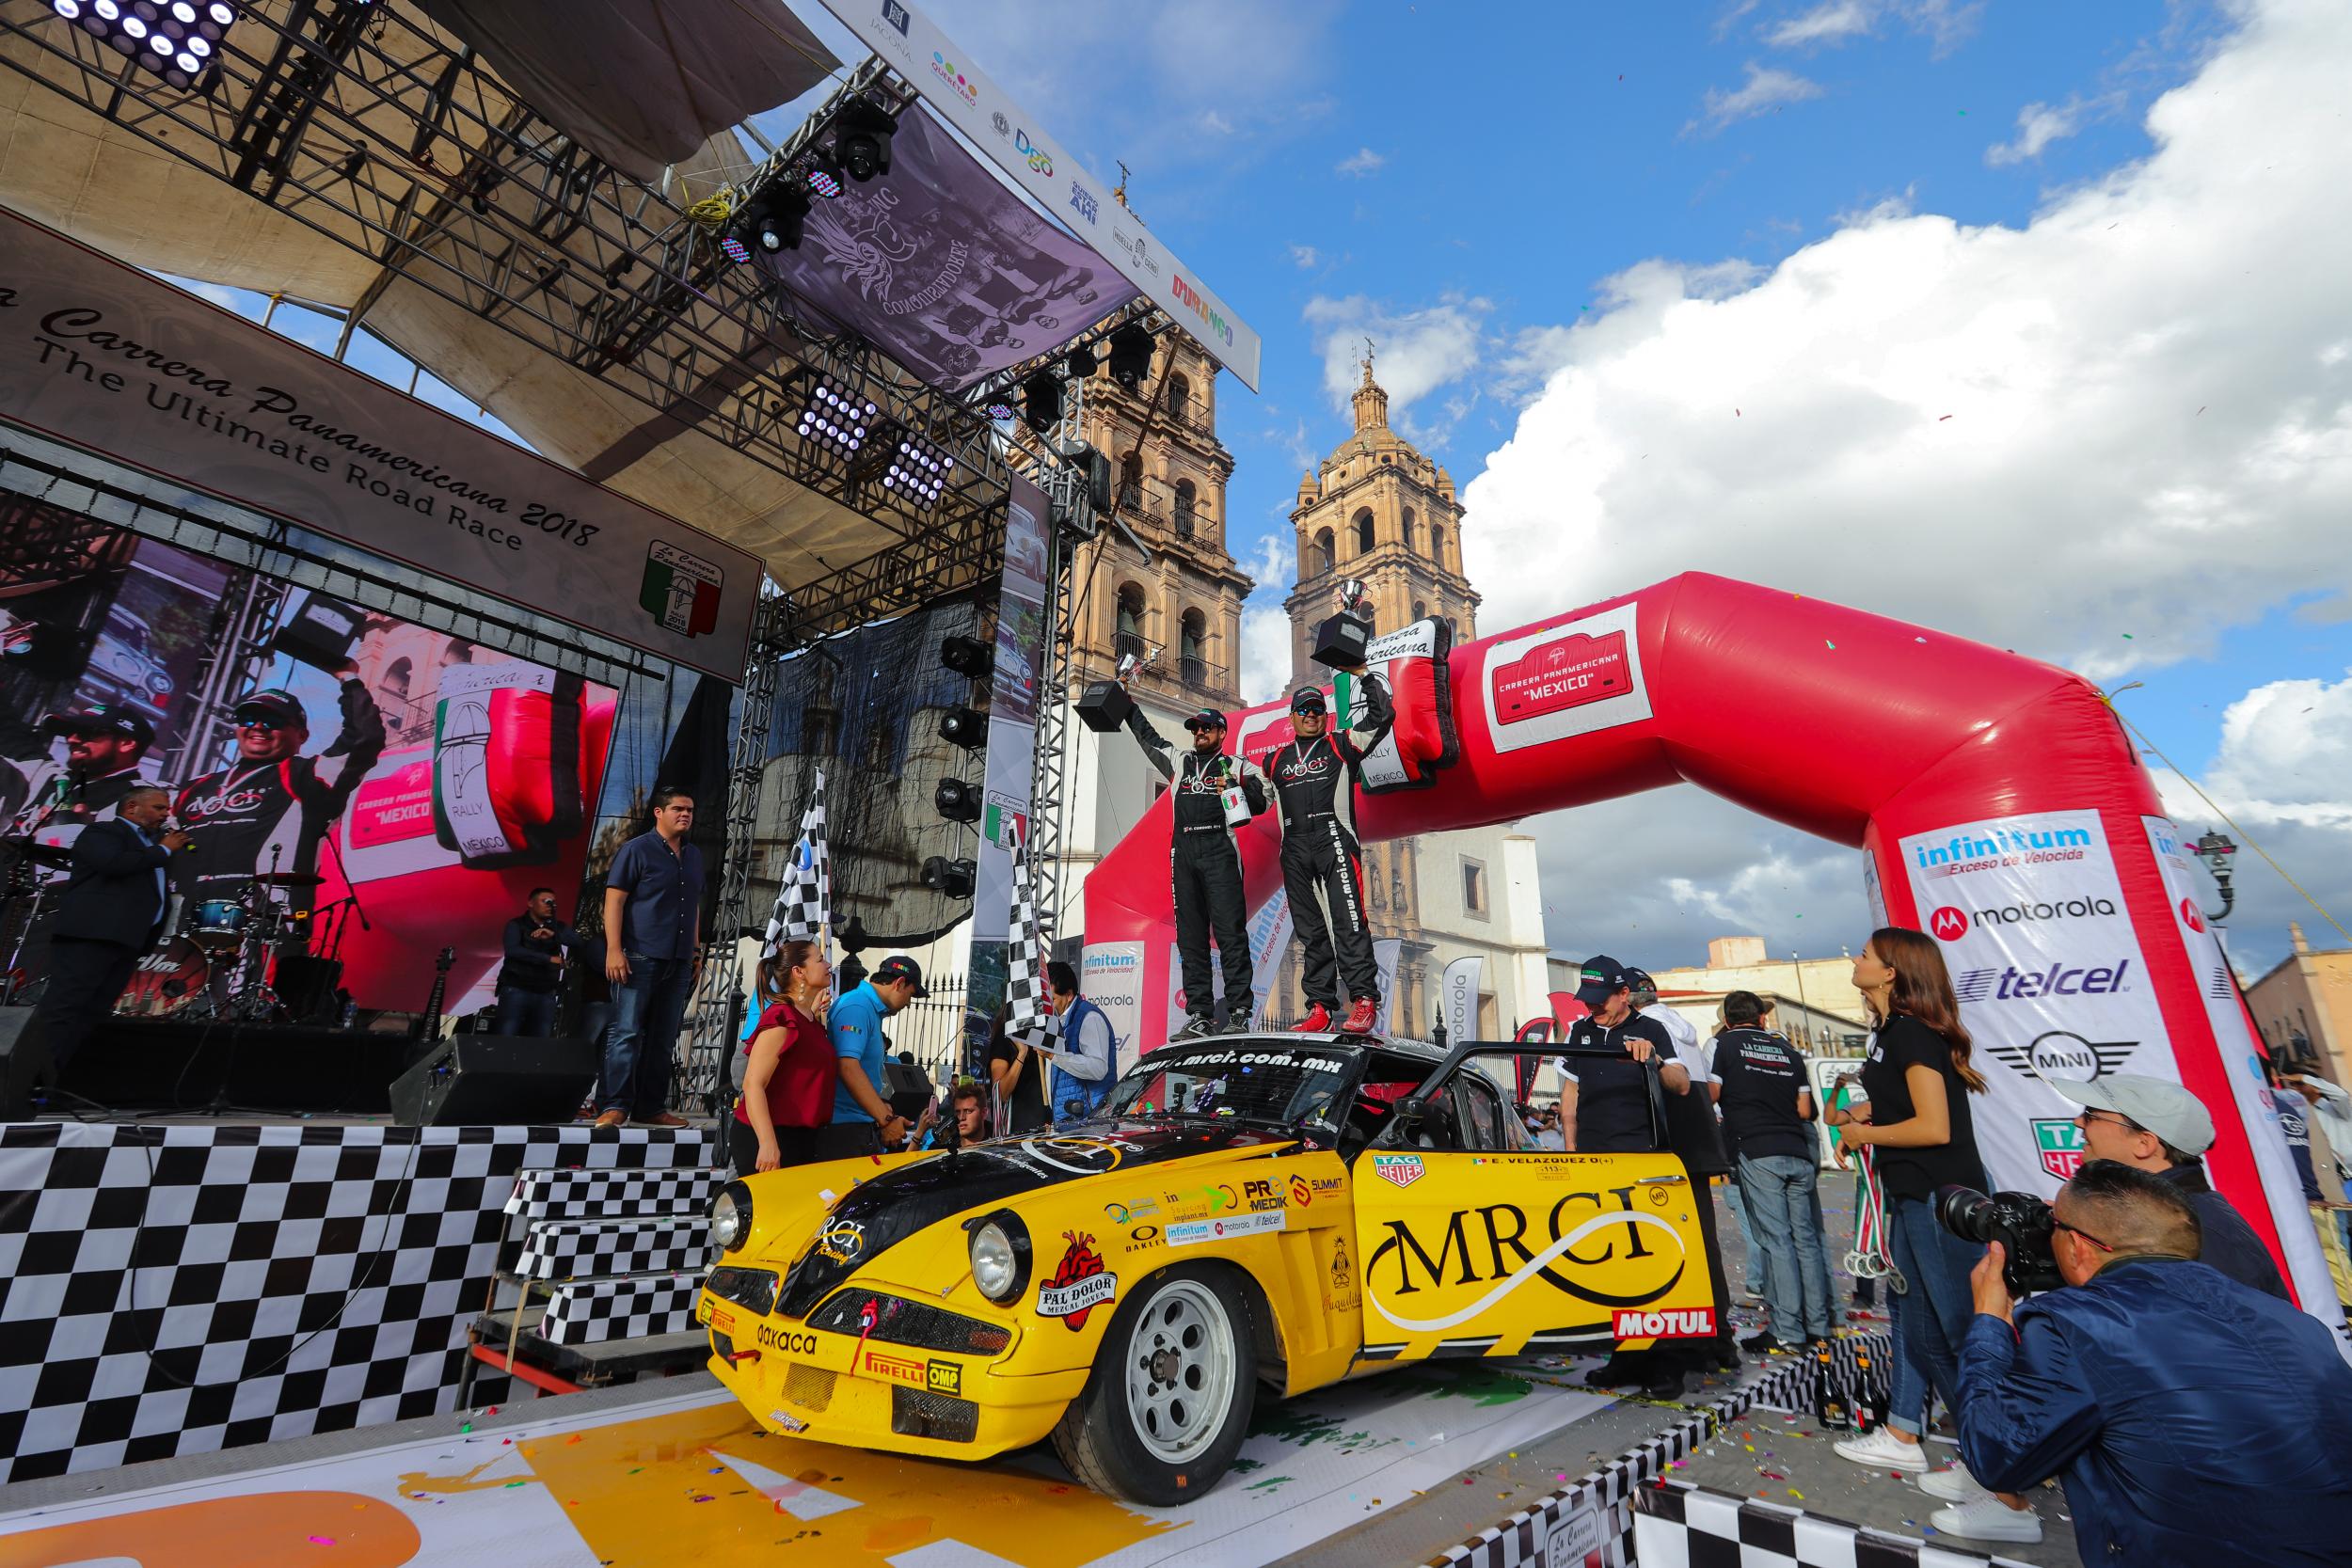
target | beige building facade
[{"x": 2304, "y": 1006}]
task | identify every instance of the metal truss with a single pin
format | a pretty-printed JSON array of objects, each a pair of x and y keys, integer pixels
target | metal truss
[
  {"x": 370, "y": 127},
  {"x": 1071, "y": 520}
]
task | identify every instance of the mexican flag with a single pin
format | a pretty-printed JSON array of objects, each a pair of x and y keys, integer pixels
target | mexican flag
[{"x": 681, "y": 591}]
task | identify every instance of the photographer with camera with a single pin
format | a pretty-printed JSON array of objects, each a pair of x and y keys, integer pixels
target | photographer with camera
[
  {"x": 1918, "y": 1081},
  {"x": 2193, "y": 1421}
]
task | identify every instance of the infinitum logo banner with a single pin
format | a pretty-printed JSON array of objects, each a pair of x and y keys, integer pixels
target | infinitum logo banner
[{"x": 2030, "y": 916}]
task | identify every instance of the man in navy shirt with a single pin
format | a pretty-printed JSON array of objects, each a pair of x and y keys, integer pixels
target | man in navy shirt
[
  {"x": 652, "y": 906},
  {"x": 1759, "y": 1080}
]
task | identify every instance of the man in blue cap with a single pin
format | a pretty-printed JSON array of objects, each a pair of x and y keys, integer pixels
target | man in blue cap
[
  {"x": 1215, "y": 794},
  {"x": 1314, "y": 785}
]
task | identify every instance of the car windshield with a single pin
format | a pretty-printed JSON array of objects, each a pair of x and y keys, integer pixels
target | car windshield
[{"x": 1286, "y": 1085}]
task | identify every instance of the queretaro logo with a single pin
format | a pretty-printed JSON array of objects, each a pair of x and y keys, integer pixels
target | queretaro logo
[
  {"x": 2012, "y": 984},
  {"x": 2062, "y": 1053},
  {"x": 681, "y": 591}
]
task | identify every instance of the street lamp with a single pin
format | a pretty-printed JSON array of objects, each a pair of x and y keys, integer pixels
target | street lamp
[{"x": 2214, "y": 850}]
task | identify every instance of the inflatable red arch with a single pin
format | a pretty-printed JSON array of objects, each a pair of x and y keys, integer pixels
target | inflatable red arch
[{"x": 1996, "y": 800}]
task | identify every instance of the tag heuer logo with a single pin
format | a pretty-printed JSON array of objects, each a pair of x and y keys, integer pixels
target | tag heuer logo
[
  {"x": 1398, "y": 1170},
  {"x": 2060, "y": 1146},
  {"x": 681, "y": 591}
]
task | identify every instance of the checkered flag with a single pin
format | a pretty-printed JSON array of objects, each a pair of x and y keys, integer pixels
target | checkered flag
[
  {"x": 1025, "y": 976},
  {"x": 804, "y": 898}
]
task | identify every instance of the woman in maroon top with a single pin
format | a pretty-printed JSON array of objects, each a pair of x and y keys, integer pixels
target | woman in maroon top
[{"x": 788, "y": 1087}]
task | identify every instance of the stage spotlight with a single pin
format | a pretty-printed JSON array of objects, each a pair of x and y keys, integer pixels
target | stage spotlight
[
  {"x": 1000, "y": 411},
  {"x": 862, "y": 140},
  {"x": 1040, "y": 401},
  {"x": 174, "y": 38},
  {"x": 953, "y": 878},
  {"x": 823, "y": 181},
  {"x": 917, "y": 469},
  {"x": 961, "y": 727},
  {"x": 1131, "y": 355},
  {"x": 968, "y": 656},
  {"x": 836, "y": 423},
  {"x": 957, "y": 801},
  {"x": 1098, "y": 470},
  {"x": 1080, "y": 361}
]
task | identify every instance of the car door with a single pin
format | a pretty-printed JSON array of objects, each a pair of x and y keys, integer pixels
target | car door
[{"x": 1473, "y": 1248}]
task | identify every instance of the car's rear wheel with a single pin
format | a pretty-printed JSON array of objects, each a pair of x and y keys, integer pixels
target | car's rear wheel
[{"x": 1168, "y": 1403}]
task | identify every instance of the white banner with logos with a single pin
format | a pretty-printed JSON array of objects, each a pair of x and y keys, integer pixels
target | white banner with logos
[
  {"x": 2049, "y": 973},
  {"x": 102, "y": 357},
  {"x": 1110, "y": 975},
  {"x": 1385, "y": 952},
  {"x": 1008, "y": 770},
  {"x": 2217, "y": 987},
  {"x": 1270, "y": 938},
  {"x": 1012, "y": 137},
  {"x": 1459, "y": 991}
]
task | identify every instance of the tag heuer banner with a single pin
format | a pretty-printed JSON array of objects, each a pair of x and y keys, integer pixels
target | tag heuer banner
[{"x": 102, "y": 357}]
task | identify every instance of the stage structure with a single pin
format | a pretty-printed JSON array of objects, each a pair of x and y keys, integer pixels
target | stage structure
[{"x": 1997, "y": 801}]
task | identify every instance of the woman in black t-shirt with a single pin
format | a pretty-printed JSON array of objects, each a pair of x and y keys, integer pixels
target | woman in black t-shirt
[
  {"x": 1918, "y": 1081},
  {"x": 1019, "y": 1073}
]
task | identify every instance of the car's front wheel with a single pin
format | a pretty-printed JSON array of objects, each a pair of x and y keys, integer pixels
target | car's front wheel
[{"x": 1168, "y": 1403}]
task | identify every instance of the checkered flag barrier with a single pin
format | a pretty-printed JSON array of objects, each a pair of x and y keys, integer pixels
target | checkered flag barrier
[
  {"x": 593, "y": 1311},
  {"x": 594, "y": 1249},
  {"x": 611, "y": 1194},
  {"x": 1681, "y": 1525},
  {"x": 804, "y": 898},
  {"x": 1602, "y": 1501}
]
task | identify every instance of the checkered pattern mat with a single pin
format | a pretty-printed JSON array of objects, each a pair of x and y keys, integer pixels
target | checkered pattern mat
[
  {"x": 1681, "y": 1525},
  {"x": 611, "y": 1194},
  {"x": 1597, "y": 1506},
  {"x": 594, "y": 1249},
  {"x": 176, "y": 1290},
  {"x": 591, "y": 1311}
]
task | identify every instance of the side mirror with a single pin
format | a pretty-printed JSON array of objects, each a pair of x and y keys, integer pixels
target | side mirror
[{"x": 1412, "y": 1110}]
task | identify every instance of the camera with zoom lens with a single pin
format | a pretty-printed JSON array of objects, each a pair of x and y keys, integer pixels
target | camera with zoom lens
[{"x": 2021, "y": 1222}]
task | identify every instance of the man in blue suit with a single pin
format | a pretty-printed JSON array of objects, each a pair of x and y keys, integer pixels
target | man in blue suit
[
  {"x": 112, "y": 910},
  {"x": 2194, "y": 1420}
]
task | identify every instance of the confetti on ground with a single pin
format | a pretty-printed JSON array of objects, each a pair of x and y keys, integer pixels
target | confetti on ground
[{"x": 1794, "y": 1493}]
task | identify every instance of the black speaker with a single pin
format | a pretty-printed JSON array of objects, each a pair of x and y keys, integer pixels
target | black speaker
[
  {"x": 24, "y": 1066},
  {"x": 1105, "y": 706},
  {"x": 494, "y": 1081}
]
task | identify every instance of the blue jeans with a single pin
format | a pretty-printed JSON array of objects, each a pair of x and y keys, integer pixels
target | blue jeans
[
  {"x": 529, "y": 1013},
  {"x": 1780, "y": 1190},
  {"x": 647, "y": 1009},
  {"x": 1754, "y": 1270},
  {"x": 1933, "y": 1314}
]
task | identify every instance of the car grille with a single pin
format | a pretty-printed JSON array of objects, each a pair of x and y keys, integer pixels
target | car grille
[
  {"x": 900, "y": 1322},
  {"x": 751, "y": 1287},
  {"x": 919, "y": 1413},
  {"x": 810, "y": 1387}
]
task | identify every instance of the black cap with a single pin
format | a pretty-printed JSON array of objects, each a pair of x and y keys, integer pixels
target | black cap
[
  {"x": 102, "y": 719},
  {"x": 1603, "y": 977},
  {"x": 1639, "y": 980},
  {"x": 272, "y": 703},
  {"x": 1309, "y": 699},
  {"x": 1207, "y": 719},
  {"x": 899, "y": 967}
]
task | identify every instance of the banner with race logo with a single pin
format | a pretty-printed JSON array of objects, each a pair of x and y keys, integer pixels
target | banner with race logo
[{"x": 2049, "y": 973}]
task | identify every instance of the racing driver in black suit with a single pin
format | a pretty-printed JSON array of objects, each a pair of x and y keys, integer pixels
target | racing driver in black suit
[
  {"x": 1314, "y": 785},
  {"x": 267, "y": 811},
  {"x": 1205, "y": 863}
]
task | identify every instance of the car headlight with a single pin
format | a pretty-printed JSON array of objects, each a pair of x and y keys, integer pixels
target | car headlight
[
  {"x": 731, "y": 1216},
  {"x": 1000, "y": 1256}
]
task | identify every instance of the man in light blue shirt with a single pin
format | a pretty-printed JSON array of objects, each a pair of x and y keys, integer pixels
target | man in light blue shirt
[{"x": 863, "y": 1122}]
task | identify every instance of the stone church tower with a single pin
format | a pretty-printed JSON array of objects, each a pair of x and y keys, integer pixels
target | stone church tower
[{"x": 1379, "y": 510}]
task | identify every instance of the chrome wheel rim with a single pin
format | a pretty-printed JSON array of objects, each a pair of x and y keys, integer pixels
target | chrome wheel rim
[{"x": 1180, "y": 1370}]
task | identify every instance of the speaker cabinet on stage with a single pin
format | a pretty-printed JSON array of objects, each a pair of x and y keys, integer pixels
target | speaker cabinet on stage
[
  {"x": 494, "y": 1081},
  {"x": 1105, "y": 706},
  {"x": 25, "y": 1065}
]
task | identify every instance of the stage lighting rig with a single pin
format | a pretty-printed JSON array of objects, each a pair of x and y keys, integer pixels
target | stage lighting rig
[
  {"x": 1040, "y": 401},
  {"x": 862, "y": 139},
  {"x": 964, "y": 727},
  {"x": 1080, "y": 361},
  {"x": 954, "y": 878},
  {"x": 177, "y": 39},
  {"x": 836, "y": 423},
  {"x": 917, "y": 469},
  {"x": 1131, "y": 355},
  {"x": 968, "y": 656},
  {"x": 957, "y": 801}
]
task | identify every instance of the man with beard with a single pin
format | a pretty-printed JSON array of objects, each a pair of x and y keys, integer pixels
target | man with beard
[
  {"x": 1314, "y": 785},
  {"x": 1204, "y": 862},
  {"x": 105, "y": 746}
]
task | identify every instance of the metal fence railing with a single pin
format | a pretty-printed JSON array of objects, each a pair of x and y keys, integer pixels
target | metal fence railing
[{"x": 932, "y": 1027}]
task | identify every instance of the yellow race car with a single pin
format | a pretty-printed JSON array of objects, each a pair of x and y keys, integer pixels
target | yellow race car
[{"x": 1249, "y": 1212}]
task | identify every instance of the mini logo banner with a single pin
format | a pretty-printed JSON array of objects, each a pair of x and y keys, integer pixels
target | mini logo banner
[
  {"x": 681, "y": 591},
  {"x": 1398, "y": 1170},
  {"x": 2060, "y": 1143},
  {"x": 1698, "y": 1322},
  {"x": 1079, "y": 1283}
]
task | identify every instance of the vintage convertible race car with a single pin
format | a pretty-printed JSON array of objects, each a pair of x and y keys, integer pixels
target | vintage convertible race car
[{"x": 1249, "y": 1212}]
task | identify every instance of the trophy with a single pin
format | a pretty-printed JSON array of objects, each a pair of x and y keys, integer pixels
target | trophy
[{"x": 1344, "y": 640}]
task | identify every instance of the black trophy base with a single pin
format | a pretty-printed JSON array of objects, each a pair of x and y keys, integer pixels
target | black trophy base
[
  {"x": 1105, "y": 707},
  {"x": 1343, "y": 641}
]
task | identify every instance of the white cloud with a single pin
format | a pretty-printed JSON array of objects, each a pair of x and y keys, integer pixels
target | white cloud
[
  {"x": 1265, "y": 654},
  {"x": 2115, "y": 420},
  {"x": 1359, "y": 162},
  {"x": 1216, "y": 124},
  {"x": 1305, "y": 256},
  {"x": 1832, "y": 22},
  {"x": 2038, "y": 126},
  {"x": 1768, "y": 87},
  {"x": 1944, "y": 23},
  {"x": 1417, "y": 352}
]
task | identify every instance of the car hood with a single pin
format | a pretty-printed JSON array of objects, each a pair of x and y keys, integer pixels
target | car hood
[{"x": 878, "y": 1215}]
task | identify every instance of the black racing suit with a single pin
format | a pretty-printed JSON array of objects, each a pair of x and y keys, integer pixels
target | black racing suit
[
  {"x": 270, "y": 815},
  {"x": 1314, "y": 784},
  {"x": 1204, "y": 867}
]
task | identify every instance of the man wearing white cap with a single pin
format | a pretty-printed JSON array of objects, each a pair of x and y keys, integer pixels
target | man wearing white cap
[{"x": 2157, "y": 1126}]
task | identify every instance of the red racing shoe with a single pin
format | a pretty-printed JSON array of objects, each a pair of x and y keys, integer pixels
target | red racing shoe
[
  {"x": 1317, "y": 1021},
  {"x": 1362, "y": 1017}
]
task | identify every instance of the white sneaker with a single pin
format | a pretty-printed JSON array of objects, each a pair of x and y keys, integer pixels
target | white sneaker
[
  {"x": 1955, "y": 1485},
  {"x": 1882, "y": 1450},
  {"x": 1988, "y": 1518}
]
